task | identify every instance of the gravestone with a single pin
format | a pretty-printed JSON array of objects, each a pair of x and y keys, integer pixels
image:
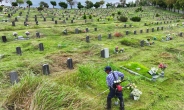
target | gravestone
[
  {"x": 87, "y": 39},
  {"x": 109, "y": 36},
  {"x": 13, "y": 23},
  {"x": 41, "y": 48},
  {"x": 181, "y": 34},
  {"x": 105, "y": 53},
  {"x": 127, "y": 32},
  {"x": 157, "y": 28},
  {"x": 9, "y": 15},
  {"x": 124, "y": 25},
  {"x": 44, "y": 19},
  {"x": 55, "y": 21},
  {"x": 64, "y": 21},
  {"x": 18, "y": 51},
  {"x": 134, "y": 32},
  {"x": 147, "y": 30},
  {"x": 4, "y": 39},
  {"x": 52, "y": 19},
  {"x": 38, "y": 34},
  {"x": 71, "y": 21},
  {"x": 95, "y": 29},
  {"x": 100, "y": 37},
  {"x": 152, "y": 29},
  {"x": 76, "y": 31},
  {"x": 142, "y": 43},
  {"x": 162, "y": 28},
  {"x": 141, "y": 31},
  {"x": 16, "y": 19},
  {"x": 13, "y": 77},
  {"x": 66, "y": 18},
  {"x": 70, "y": 63},
  {"x": 45, "y": 69},
  {"x": 87, "y": 30},
  {"x": 65, "y": 32}
]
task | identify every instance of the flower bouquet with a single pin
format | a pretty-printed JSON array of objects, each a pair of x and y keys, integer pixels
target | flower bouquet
[
  {"x": 162, "y": 66},
  {"x": 135, "y": 93}
]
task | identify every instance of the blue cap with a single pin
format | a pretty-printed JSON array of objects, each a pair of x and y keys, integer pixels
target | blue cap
[{"x": 107, "y": 68}]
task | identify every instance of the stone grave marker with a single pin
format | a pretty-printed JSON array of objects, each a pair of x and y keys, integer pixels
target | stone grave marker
[
  {"x": 71, "y": 21},
  {"x": 14, "y": 77},
  {"x": 127, "y": 32},
  {"x": 135, "y": 32},
  {"x": 36, "y": 22},
  {"x": 147, "y": 30},
  {"x": 87, "y": 39},
  {"x": 76, "y": 31},
  {"x": 41, "y": 48},
  {"x": 13, "y": 23},
  {"x": 157, "y": 28},
  {"x": 55, "y": 21},
  {"x": 70, "y": 63},
  {"x": 95, "y": 29},
  {"x": 87, "y": 30},
  {"x": 141, "y": 31},
  {"x": 181, "y": 34},
  {"x": 142, "y": 43},
  {"x": 18, "y": 51},
  {"x": 45, "y": 69},
  {"x": 4, "y": 39},
  {"x": 9, "y": 15},
  {"x": 152, "y": 29},
  {"x": 99, "y": 37},
  {"x": 52, "y": 19},
  {"x": 109, "y": 36},
  {"x": 105, "y": 53},
  {"x": 44, "y": 19},
  {"x": 124, "y": 25},
  {"x": 65, "y": 32},
  {"x": 38, "y": 34}
]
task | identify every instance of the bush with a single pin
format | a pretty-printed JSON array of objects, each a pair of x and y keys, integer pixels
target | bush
[
  {"x": 123, "y": 19},
  {"x": 157, "y": 15},
  {"x": 139, "y": 10},
  {"x": 90, "y": 17},
  {"x": 84, "y": 17},
  {"x": 119, "y": 13},
  {"x": 40, "y": 8},
  {"x": 136, "y": 19},
  {"x": 1, "y": 8}
]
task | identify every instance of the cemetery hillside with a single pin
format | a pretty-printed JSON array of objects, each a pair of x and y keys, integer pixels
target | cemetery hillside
[{"x": 54, "y": 58}]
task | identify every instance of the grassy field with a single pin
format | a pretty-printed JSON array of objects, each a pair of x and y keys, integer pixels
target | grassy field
[{"x": 80, "y": 88}]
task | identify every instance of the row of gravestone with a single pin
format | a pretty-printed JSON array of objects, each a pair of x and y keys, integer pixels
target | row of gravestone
[{"x": 45, "y": 69}]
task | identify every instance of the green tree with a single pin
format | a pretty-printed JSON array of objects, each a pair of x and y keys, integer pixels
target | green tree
[
  {"x": 79, "y": 5},
  {"x": 89, "y": 4},
  {"x": 14, "y": 4},
  {"x": 53, "y": 3},
  {"x": 63, "y": 5},
  {"x": 101, "y": 3},
  {"x": 29, "y": 3},
  {"x": 177, "y": 5},
  {"x": 20, "y": 2},
  {"x": 71, "y": 3},
  {"x": 44, "y": 4},
  {"x": 109, "y": 5},
  {"x": 97, "y": 5}
]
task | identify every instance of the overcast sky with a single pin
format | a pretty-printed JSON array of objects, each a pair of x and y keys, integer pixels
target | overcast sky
[{"x": 36, "y": 2}]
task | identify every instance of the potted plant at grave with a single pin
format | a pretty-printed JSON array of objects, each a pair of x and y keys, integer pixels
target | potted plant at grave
[
  {"x": 162, "y": 66},
  {"x": 135, "y": 93}
]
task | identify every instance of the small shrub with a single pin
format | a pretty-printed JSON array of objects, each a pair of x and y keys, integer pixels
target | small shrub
[
  {"x": 84, "y": 17},
  {"x": 119, "y": 13},
  {"x": 123, "y": 19},
  {"x": 136, "y": 19},
  {"x": 118, "y": 34},
  {"x": 90, "y": 17},
  {"x": 157, "y": 15},
  {"x": 139, "y": 9}
]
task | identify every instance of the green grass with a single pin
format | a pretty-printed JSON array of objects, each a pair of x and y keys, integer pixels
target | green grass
[{"x": 79, "y": 88}]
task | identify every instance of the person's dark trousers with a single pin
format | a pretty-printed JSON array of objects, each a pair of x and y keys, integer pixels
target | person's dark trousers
[{"x": 112, "y": 94}]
